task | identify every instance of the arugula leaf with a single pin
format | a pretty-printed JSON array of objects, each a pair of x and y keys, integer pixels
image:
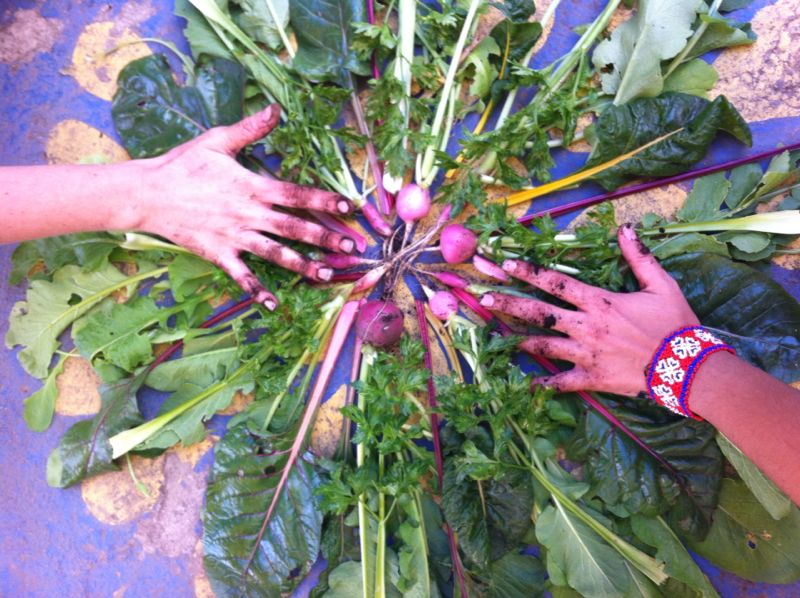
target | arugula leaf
[
  {"x": 695, "y": 77},
  {"x": 747, "y": 309},
  {"x": 41, "y": 405},
  {"x": 84, "y": 450},
  {"x": 324, "y": 37},
  {"x": 152, "y": 114},
  {"x": 201, "y": 36},
  {"x": 239, "y": 492},
  {"x": 621, "y": 129},
  {"x": 706, "y": 198},
  {"x": 50, "y": 307},
  {"x": 629, "y": 61},
  {"x": 748, "y": 542},
  {"x": 89, "y": 250},
  {"x": 201, "y": 369}
]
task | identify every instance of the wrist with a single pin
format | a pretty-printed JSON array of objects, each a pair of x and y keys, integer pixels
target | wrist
[{"x": 130, "y": 199}]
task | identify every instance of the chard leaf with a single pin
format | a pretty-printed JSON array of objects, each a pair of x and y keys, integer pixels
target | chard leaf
[
  {"x": 257, "y": 21},
  {"x": 115, "y": 331},
  {"x": 695, "y": 77},
  {"x": 324, "y": 39},
  {"x": 629, "y": 61},
  {"x": 629, "y": 481},
  {"x": 746, "y": 308},
  {"x": 774, "y": 501},
  {"x": 516, "y": 575},
  {"x": 152, "y": 114},
  {"x": 578, "y": 557},
  {"x": 89, "y": 250},
  {"x": 748, "y": 542},
  {"x": 50, "y": 307},
  {"x": 84, "y": 450},
  {"x": 623, "y": 129},
  {"x": 201, "y": 36},
  {"x": 680, "y": 566},
  {"x": 243, "y": 479}
]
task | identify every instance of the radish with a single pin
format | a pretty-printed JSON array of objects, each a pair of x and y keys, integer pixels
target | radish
[
  {"x": 457, "y": 243},
  {"x": 413, "y": 203},
  {"x": 451, "y": 279},
  {"x": 379, "y": 323},
  {"x": 444, "y": 305},
  {"x": 489, "y": 268}
]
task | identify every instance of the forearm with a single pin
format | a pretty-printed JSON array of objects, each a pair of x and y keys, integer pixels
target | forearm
[
  {"x": 758, "y": 413},
  {"x": 42, "y": 201}
]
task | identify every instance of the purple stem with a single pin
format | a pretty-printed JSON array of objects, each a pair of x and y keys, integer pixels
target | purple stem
[
  {"x": 437, "y": 444},
  {"x": 371, "y": 19},
  {"x": 372, "y": 155},
  {"x": 639, "y": 187}
]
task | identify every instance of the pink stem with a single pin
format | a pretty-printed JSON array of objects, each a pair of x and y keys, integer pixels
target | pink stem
[
  {"x": 372, "y": 155},
  {"x": 639, "y": 187},
  {"x": 437, "y": 444},
  {"x": 347, "y": 277},
  {"x": 340, "y": 227},
  {"x": 450, "y": 279},
  {"x": 371, "y": 19}
]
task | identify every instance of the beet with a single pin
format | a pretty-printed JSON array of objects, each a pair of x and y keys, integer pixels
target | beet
[{"x": 379, "y": 323}]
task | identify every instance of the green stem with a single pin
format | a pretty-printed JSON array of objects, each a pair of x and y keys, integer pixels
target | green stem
[{"x": 367, "y": 359}]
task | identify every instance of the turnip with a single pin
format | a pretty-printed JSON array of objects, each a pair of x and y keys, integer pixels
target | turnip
[
  {"x": 457, "y": 243},
  {"x": 444, "y": 305},
  {"x": 413, "y": 203},
  {"x": 379, "y": 323}
]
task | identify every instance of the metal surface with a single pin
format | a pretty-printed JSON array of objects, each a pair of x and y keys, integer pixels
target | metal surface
[{"x": 105, "y": 538}]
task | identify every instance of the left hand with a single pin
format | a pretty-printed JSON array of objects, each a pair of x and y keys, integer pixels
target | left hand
[{"x": 610, "y": 337}]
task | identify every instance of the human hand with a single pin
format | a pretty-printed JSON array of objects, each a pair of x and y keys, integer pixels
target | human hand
[
  {"x": 199, "y": 197},
  {"x": 611, "y": 337}
]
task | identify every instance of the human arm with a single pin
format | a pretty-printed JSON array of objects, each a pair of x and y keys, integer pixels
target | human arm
[
  {"x": 611, "y": 338},
  {"x": 195, "y": 195}
]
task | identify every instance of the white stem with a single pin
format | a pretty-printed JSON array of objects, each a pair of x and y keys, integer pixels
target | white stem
[{"x": 281, "y": 31}]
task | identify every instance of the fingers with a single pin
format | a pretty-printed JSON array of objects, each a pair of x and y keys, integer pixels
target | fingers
[
  {"x": 248, "y": 130},
  {"x": 289, "y": 195},
  {"x": 274, "y": 252},
  {"x": 559, "y": 285},
  {"x": 240, "y": 273},
  {"x": 643, "y": 265},
  {"x": 570, "y": 381},
  {"x": 297, "y": 229},
  {"x": 553, "y": 347},
  {"x": 532, "y": 311}
]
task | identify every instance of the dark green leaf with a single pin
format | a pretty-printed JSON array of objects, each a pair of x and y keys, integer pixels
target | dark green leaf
[
  {"x": 743, "y": 180},
  {"x": 239, "y": 560},
  {"x": 84, "y": 449},
  {"x": 517, "y": 11},
  {"x": 729, "y": 5},
  {"x": 89, "y": 250},
  {"x": 324, "y": 38},
  {"x": 688, "y": 243},
  {"x": 721, "y": 33},
  {"x": 622, "y": 129},
  {"x": 748, "y": 309},
  {"x": 516, "y": 575},
  {"x": 748, "y": 542},
  {"x": 220, "y": 83},
  {"x": 520, "y": 38}
]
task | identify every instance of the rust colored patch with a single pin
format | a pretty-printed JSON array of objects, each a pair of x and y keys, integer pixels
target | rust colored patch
[
  {"x": 762, "y": 80},
  {"x": 238, "y": 404},
  {"x": 171, "y": 529},
  {"x": 663, "y": 201},
  {"x": 193, "y": 453},
  {"x": 328, "y": 425},
  {"x": 75, "y": 142},
  {"x": 113, "y": 498},
  {"x": 77, "y": 389},
  {"x": 28, "y": 35},
  {"x": 93, "y": 67},
  {"x": 790, "y": 262}
]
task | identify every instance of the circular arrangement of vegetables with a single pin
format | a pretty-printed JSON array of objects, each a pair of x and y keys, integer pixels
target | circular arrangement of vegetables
[{"x": 451, "y": 477}]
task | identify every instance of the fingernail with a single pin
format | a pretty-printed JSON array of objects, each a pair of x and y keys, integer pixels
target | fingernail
[
  {"x": 343, "y": 206},
  {"x": 347, "y": 245},
  {"x": 487, "y": 300},
  {"x": 270, "y": 304},
  {"x": 628, "y": 232},
  {"x": 325, "y": 274},
  {"x": 510, "y": 265}
]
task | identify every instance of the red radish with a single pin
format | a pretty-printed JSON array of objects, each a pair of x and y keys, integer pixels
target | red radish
[
  {"x": 451, "y": 279},
  {"x": 413, "y": 203},
  {"x": 444, "y": 305},
  {"x": 489, "y": 268},
  {"x": 370, "y": 279},
  {"x": 457, "y": 243},
  {"x": 375, "y": 220},
  {"x": 379, "y": 323}
]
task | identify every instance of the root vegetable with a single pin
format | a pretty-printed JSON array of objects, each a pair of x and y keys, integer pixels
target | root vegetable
[
  {"x": 413, "y": 203},
  {"x": 457, "y": 243},
  {"x": 379, "y": 323},
  {"x": 444, "y": 305}
]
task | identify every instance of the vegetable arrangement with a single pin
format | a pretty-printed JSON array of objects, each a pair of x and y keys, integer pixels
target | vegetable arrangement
[{"x": 461, "y": 483}]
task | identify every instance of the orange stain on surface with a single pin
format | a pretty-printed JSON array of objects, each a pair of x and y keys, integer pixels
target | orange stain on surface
[
  {"x": 75, "y": 142},
  {"x": 77, "y": 389}
]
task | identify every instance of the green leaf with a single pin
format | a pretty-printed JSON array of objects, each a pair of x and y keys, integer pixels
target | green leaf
[
  {"x": 746, "y": 242},
  {"x": 187, "y": 274},
  {"x": 578, "y": 557},
  {"x": 201, "y": 36},
  {"x": 345, "y": 581},
  {"x": 324, "y": 39},
  {"x": 744, "y": 180},
  {"x": 116, "y": 331},
  {"x": 521, "y": 37},
  {"x": 483, "y": 73},
  {"x": 89, "y": 250},
  {"x": 41, "y": 405},
  {"x": 50, "y": 307},
  {"x": 84, "y": 450},
  {"x": 516, "y": 11},
  {"x": 774, "y": 501},
  {"x": 152, "y": 114},
  {"x": 629, "y": 61},
  {"x": 240, "y": 559},
  {"x": 622, "y": 129},
  {"x": 748, "y": 310},
  {"x": 257, "y": 21},
  {"x": 201, "y": 369},
  {"x": 415, "y": 579},
  {"x": 679, "y": 563},
  {"x": 729, "y": 5},
  {"x": 516, "y": 575},
  {"x": 689, "y": 243},
  {"x": 721, "y": 33},
  {"x": 706, "y": 199},
  {"x": 695, "y": 77},
  {"x": 748, "y": 542}
]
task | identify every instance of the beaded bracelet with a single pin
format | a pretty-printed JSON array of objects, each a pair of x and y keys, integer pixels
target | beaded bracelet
[{"x": 675, "y": 363}]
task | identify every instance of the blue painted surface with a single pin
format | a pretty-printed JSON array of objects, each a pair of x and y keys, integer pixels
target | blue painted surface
[{"x": 49, "y": 543}]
